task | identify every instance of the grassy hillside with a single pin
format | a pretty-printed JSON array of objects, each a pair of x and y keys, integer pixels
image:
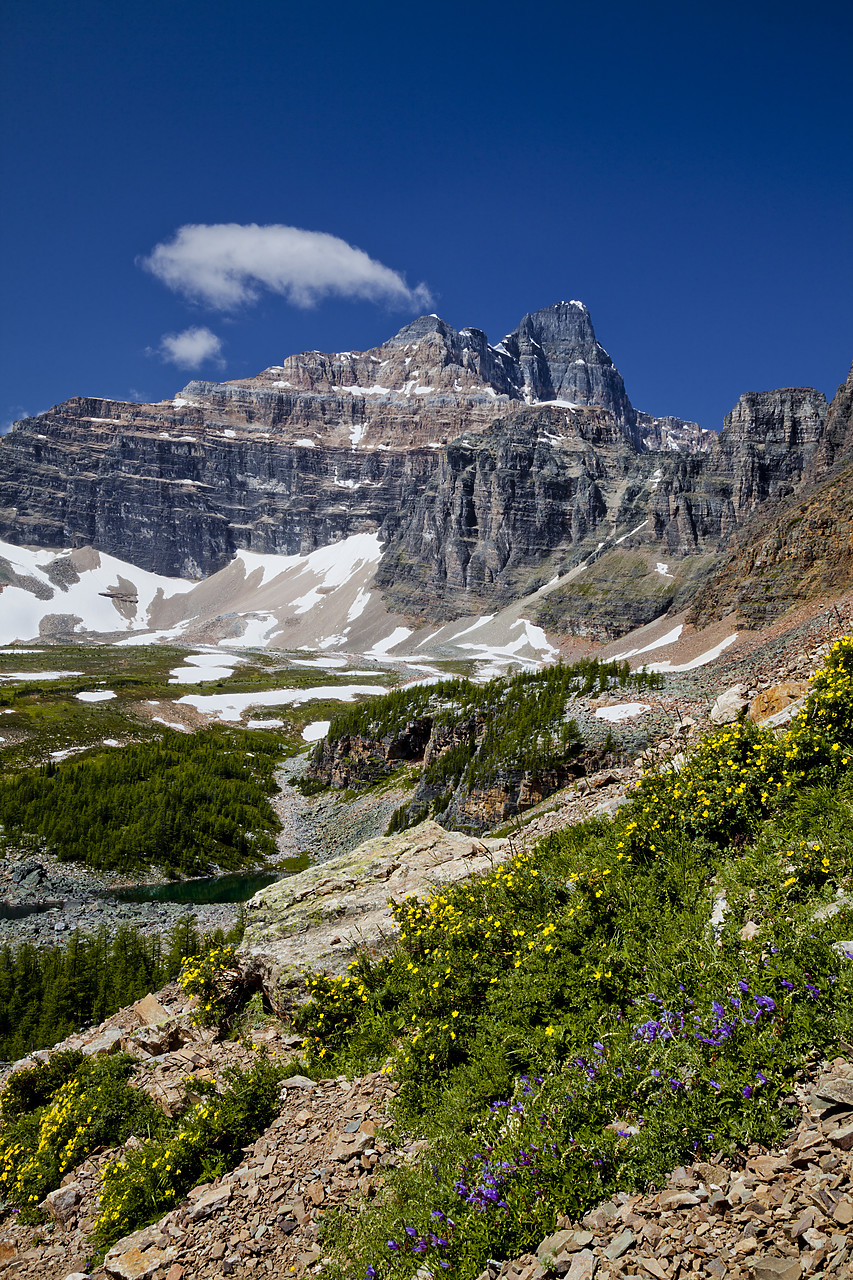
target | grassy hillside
[{"x": 624, "y": 996}]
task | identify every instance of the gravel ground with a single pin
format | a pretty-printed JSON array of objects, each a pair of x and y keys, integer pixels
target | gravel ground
[{"x": 327, "y": 825}]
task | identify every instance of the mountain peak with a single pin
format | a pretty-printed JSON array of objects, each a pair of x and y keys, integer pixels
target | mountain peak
[
  {"x": 420, "y": 328},
  {"x": 561, "y": 359}
]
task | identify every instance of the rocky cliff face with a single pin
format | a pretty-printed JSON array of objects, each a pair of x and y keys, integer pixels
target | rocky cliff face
[
  {"x": 487, "y": 469},
  {"x": 766, "y": 445},
  {"x": 171, "y": 491},
  {"x": 798, "y": 545},
  {"x": 352, "y": 760},
  {"x": 503, "y": 507},
  {"x": 557, "y": 357},
  {"x": 836, "y": 444},
  {"x": 548, "y": 488}
]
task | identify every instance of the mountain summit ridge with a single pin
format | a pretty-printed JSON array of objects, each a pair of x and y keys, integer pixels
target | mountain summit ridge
[
  {"x": 485, "y": 470},
  {"x": 552, "y": 354}
]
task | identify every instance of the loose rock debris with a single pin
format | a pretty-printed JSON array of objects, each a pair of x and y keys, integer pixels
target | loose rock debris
[{"x": 785, "y": 1214}]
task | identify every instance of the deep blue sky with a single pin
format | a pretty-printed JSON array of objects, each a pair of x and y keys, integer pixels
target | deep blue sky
[{"x": 683, "y": 169}]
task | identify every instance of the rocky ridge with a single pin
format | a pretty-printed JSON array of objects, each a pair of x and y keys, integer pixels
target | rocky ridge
[
  {"x": 487, "y": 470},
  {"x": 801, "y": 547},
  {"x": 357, "y": 760},
  {"x": 308, "y": 452}
]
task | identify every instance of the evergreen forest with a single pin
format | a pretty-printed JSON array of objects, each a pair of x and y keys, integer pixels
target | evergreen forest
[
  {"x": 47, "y": 995},
  {"x": 186, "y": 803}
]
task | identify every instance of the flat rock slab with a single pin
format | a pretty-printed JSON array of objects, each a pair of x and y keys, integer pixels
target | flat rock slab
[
  {"x": 777, "y": 1269},
  {"x": 137, "y": 1264},
  {"x": 62, "y": 1203},
  {"x": 583, "y": 1266},
  {"x": 108, "y": 1042},
  {"x": 297, "y": 1082},
  {"x": 620, "y": 1245},
  {"x": 149, "y": 1011},
  {"x": 209, "y": 1202},
  {"x": 320, "y": 917},
  {"x": 138, "y": 1256},
  {"x": 555, "y": 1247}
]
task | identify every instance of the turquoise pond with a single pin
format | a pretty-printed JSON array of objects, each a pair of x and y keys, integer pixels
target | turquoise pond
[{"x": 212, "y": 889}]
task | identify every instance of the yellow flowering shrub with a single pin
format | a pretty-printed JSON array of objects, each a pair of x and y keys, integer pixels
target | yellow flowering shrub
[
  {"x": 93, "y": 1106},
  {"x": 204, "y": 978},
  {"x": 593, "y": 1012}
]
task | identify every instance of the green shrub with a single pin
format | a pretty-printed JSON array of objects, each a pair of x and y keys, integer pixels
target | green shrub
[
  {"x": 202, "y": 976},
  {"x": 32, "y": 1087},
  {"x": 91, "y": 1106},
  {"x": 144, "y": 1182}
]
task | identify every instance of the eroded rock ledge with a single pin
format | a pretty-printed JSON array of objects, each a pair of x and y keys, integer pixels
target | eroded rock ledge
[{"x": 319, "y": 918}]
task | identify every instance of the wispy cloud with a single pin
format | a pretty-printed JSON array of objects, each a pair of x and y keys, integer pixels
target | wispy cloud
[
  {"x": 190, "y": 348},
  {"x": 227, "y": 264},
  {"x": 13, "y": 414}
]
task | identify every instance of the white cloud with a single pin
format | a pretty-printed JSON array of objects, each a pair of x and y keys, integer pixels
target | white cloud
[
  {"x": 12, "y": 415},
  {"x": 227, "y": 264},
  {"x": 190, "y": 348}
]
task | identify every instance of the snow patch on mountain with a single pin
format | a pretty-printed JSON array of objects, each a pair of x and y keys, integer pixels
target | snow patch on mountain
[{"x": 102, "y": 594}]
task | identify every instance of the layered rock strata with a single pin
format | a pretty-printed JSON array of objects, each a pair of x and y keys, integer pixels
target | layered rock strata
[
  {"x": 546, "y": 489},
  {"x": 304, "y": 454},
  {"x": 487, "y": 469}
]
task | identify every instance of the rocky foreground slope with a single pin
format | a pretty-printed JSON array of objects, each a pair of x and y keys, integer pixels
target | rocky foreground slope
[
  {"x": 486, "y": 470},
  {"x": 769, "y": 1215},
  {"x": 779, "y": 1214}
]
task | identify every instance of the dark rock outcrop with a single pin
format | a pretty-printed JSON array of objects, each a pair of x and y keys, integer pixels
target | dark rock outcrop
[
  {"x": 355, "y": 759},
  {"x": 500, "y": 506},
  {"x": 457, "y": 802}
]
